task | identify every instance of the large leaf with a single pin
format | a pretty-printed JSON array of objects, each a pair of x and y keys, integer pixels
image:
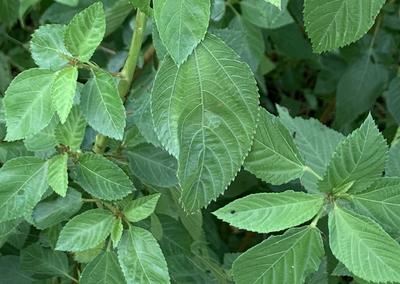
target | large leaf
[
  {"x": 354, "y": 239},
  {"x": 86, "y": 31},
  {"x": 22, "y": 184},
  {"x": 141, "y": 258},
  {"x": 182, "y": 24},
  {"x": 141, "y": 208},
  {"x": 104, "y": 269},
  {"x": 102, "y": 178},
  {"x": 288, "y": 258},
  {"x": 86, "y": 230},
  {"x": 336, "y": 23},
  {"x": 71, "y": 133},
  {"x": 274, "y": 157},
  {"x": 357, "y": 161},
  {"x": 28, "y": 104},
  {"x": 102, "y": 105},
  {"x": 58, "y": 174},
  {"x": 271, "y": 212},
  {"x": 212, "y": 102}
]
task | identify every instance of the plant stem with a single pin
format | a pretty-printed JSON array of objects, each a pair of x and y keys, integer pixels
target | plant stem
[
  {"x": 127, "y": 71},
  {"x": 317, "y": 217}
]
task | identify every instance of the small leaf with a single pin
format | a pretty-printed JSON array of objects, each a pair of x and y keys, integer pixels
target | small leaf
[
  {"x": 86, "y": 230},
  {"x": 141, "y": 208},
  {"x": 71, "y": 133},
  {"x": 102, "y": 178},
  {"x": 86, "y": 31},
  {"x": 58, "y": 174},
  {"x": 271, "y": 212},
  {"x": 116, "y": 232},
  {"x": 44, "y": 140},
  {"x": 141, "y": 258}
]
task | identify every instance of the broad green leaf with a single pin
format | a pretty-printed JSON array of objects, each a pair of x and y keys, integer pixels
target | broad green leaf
[
  {"x": 28, "y": 103},
  {"x": 142, "y": 5},
  {"x": 393, "y": 99},
  {"x": 116, "y": 232},
  {"x": 211, "y": 101},
  {"x": 357, "y": 160},
  {"x": 102, "y": 105},
  {"x": 8, "y": 12},
  {"x": 336, "y": 23},
  {"x": 277, "y": 3},
  {"x": 141, "y": 208},
  {"x": 71, "y": 133},
  {"x": 71, "y": 3},
  {"x": 44, "y": 140},
  {"x": 287, "y": 258},
  {"x": 11, "y": 150},
  {"x": 141, "y": 258},
  {"x": 47, "y": 47},
  {"x": 274, "y": 156},
  {"x": 7, "y": 228},
  {"x": 354, "y": 239},
  {"x": 116, "y": 12},
  {"x": 89, "y": 255},
  {"x": 153, "y": 165},
  {"x": 316, "y": 144},
  {"x": 51, "y": 212},
  {"x": 381, "y": 202},
  {"x": 392, "y": 167},
  {"x": 86, "y": 31},
  {"x": 266, "y": 15},
  {"x": 182, "y": 24},
  {"x": 63, "y": 92},
  {"x": 104, "y": 269},
  {"x": 58, "y": 174},
  {"x": 102, "y": 178},
  {"x": 271, "y": 212},
  {"x": 22, "y": 184},
  {"x": 43, "y": 261},
  {"x": 86, "y": 230},
  {"x": 11, "y": 272}
]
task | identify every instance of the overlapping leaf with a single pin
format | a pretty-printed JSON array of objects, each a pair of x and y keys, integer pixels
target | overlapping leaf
[
  {"x": 58, "y": 174},
  {"x": 71, "y": 133},
  {"x": 141, "y": 208}
]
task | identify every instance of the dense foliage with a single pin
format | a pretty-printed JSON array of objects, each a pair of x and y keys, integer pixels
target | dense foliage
[{"x": 199, "y": 141}]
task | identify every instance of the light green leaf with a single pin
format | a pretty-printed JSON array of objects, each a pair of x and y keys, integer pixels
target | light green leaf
[
  {"x": 11, "y": 150},
  {"x": 212, "y": 102},
  {"x": 71, "y": 133},
  {"x": 44, "y": 140},
  {"x": 28, "y": 114},
  {"x": 116, "y": 232},
  {"x": 274, "y": 157},
  {"x": 102, "y": 178},
  {"x": 22, "y": 184},
  {"x": 116, "y": 12},
  {"x": 104, "y": 269},
  {"x": 336, "y": 23},
  {"x": 86, "y": 31},
  {"x": 141, "y": 208},
  {"x": 63, "y": 92},
  {"x": 51, "y": 212},
  {"x": 89, "y": 255},
  {"x": 392, "y": 167},
  {"x": 142, "y": 5},
  {"x": 271, "y": 212},
  {"x": 141, "y": 258},
  {"x": 47, "y": 47},
  {"x": 354, "y": 239},
  {"x": 86, "y": 230},
  {"x": 277, "y": 3},
  {"x": 102, "y": 105},
  {"x": 357, "y": 160},
  {"x": 9, "y": 12},
  {"x": 287, "y": 258},
  {"x": 182, "y": 24},
  {"x": 153, "y": 165},
  {"x": 58, "y": 174}
]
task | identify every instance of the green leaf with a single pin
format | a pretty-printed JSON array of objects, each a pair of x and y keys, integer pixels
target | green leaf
[
  {"x": 102, "y": 178},
  {"x": 153, "y": 165},
  {"x": 116, "y": 12},
  {"x": 274, "y": 157},
  {"x": 141, "y": 208},
  {"x": 9, "y": 12},
  {"x": 44, "y": 140},
  {"x": 277, "y": 3},
  {"x": 22, "y": 184},
  {"x": 354, "y": 239},
  {"x": 141, "y": 258},
  {"x": 86, "y": 230},
  {"x": 104, "y": 269},
  {"x": 271, "y": 212},
  {"x": 287, "y": 258},
  {"x": 63, "y": 92},
  {"x": 393, "y": 98},
  {"x": 116, "y": 232},
  {"x": 7, "y": 228},
  {"x": 58, "y": 174},
  {"x": 142, "y": 5},
  {"x": 28, "y": 114},
  {"x": 86, "y": 31},
  {"x": 263, "y": 14},
  {"x": 392, "y": 167},
  {"x": 182, "y": 24},
  {"x": 11, "y": 272},
  {"x": 11, "y": 150},
  {"x": 71, "y": 133},
  {"x": 51, "y": 212},
  {"x": 102, "y": 105},
  {"x": 333, "y": 24},
  {"x": 47, "y": 47},
  {"x": 212, "y": 101},
  {"x": 357, "y": 160}
]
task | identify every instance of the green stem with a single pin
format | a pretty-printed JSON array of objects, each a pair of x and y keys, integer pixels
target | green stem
[{"x": 317, "y": 217}]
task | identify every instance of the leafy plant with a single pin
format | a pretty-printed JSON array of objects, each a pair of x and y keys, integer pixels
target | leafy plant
[{"x": 154, "y": 142}]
